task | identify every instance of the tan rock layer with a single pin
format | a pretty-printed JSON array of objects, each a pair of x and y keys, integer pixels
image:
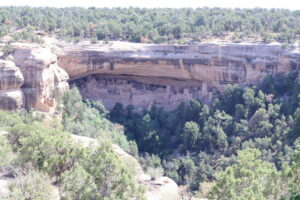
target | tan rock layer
[
  {"x": 206, "y": 66},
  {"x": 11, "y": 79},
  {"x": 10, "y": 75},
  {"x": 11, "y": 99},
  {"x": 32, "y": 79},
  {"x": 44, "y": 80}
]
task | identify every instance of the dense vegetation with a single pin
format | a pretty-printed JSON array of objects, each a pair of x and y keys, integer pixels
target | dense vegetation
[
  {"x": 151, "y": 25},
  {"x": 89, "y": 119},
  {"x": 245, "y": 141},
  {"x": 46, "y": 163},
  {"x": 196, "y": 141}
]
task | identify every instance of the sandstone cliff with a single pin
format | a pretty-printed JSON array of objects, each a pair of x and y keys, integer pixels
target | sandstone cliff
[
  {"x": 165, "y": 75},
  {"x": 31, "y": 79},
  {"x": 140, "y": 74},
  {"x": 11, "y": 79}
]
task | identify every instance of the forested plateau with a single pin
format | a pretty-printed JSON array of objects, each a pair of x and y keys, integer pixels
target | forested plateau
[{"x": 157, "y": 104}]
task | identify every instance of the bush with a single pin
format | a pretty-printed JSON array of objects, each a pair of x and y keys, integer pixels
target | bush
[
  {"x": 250, "y": 178},
  {"x": 89, "y": 119},
  {"x": 94, "y": 40},
  {"x": 32, "y": 185},
  {"x": 155, "y": 173},
  {"x": 85, "y": 187},
  {"x": 7, "y": 49},
  {"x": 6, "y": 154},
  {"x": 81, "y": 173}
]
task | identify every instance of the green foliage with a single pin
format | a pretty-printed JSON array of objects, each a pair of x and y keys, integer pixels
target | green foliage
[
  {"x": 293, "y": 172},
  {"x": 94, "y": 40},
  {"x": 152, "y": 166},
  {"x": 88, "y": 119},
  {"x": 85, "y": 187},
  {"x": 250, "y": 178},
  {"x": 297, "y": 123},
  {"x": 27, "y": 36},
  {"x": 204, "y": 139},
  {"x": 50, "y": 151},
  {"x": 190, "y": 135},
  {"x": 54, "y": 155},
  {"x": 99, "y": 176},
  {"x": 7, "y": 49},
  {"x": 191, "y": 144},
  {"x": 158, "y": 25},
  {"x": 32, "y": 185},
  {"x": 4, "y": 30},
  {"x": 6, "y": 154}
]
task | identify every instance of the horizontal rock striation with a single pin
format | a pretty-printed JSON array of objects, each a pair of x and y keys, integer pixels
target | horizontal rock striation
[
  {"x": 44, "y": 80},
  {"x": 139, "y": 74},
  {"x": 165, "y": 75},
  {"x": 30, "y": 77}
]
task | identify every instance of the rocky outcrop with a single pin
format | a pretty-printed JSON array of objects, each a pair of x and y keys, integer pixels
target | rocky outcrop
[
  {"x": 31, "y": 78},
  {"x": 162, "y": 188},
  {"x": 11, "y": 79},
  {"x": 44, "y": 80},
  {"x": 142, "y": 74},
  {"x": 165, "y": 75}
]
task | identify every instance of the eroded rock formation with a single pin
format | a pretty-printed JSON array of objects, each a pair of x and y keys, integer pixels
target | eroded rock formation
[
  {"x": 44, "y": 79},
  {"x": 31, "y": 79},
  {"x": 165, "y": 75},
  {"x": 11, "y": 79},
  {"x": 142, "y": 74}
]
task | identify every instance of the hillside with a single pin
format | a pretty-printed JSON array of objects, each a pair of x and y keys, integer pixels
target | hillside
[{"x": 156, "y": 104}]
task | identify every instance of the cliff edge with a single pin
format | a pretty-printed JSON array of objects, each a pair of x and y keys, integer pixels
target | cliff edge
[{"x": 166, "y": 75}]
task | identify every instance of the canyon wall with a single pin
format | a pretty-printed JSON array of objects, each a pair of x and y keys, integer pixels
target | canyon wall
[
  {"x": 165, "y": 75},
  {"x": 31, "y": 78},
  {"x": 139, "y": 74},
  {"x": 11, "y": 79}
]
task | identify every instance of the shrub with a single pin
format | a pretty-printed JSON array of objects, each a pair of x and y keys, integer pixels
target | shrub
[
  {"x": 7, "y": 49},
  {"x": 32, "y": 185},
  {"x": 6, "y": 154},
  {"x": 155, "y": 173}
]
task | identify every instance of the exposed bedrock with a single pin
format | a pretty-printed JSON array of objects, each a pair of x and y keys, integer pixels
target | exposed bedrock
[
  {"x": 11, "y": 79},
  {"x": 162, "y": 188},
  {"x": 165, "y": 75},
  {"x": 142, "y": 92},
  {"x": 44, "y": 80}
]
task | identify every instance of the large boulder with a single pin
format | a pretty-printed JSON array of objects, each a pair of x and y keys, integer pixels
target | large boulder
[
  {"x": 10, "y": 75},
  {"x": 11, "y": 79},
  {"x": 44, "y": 80},
  {"x": 11, "y": 99}
]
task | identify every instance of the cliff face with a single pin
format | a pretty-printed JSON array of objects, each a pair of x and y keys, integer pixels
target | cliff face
[
  {"x": 11, "y": 79},
  {"x": 31, "y": 79},
  {"x": 165, "y": 75},
  {"x": 44, "y": 80},
  {"x": 139, "y": 74}
]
